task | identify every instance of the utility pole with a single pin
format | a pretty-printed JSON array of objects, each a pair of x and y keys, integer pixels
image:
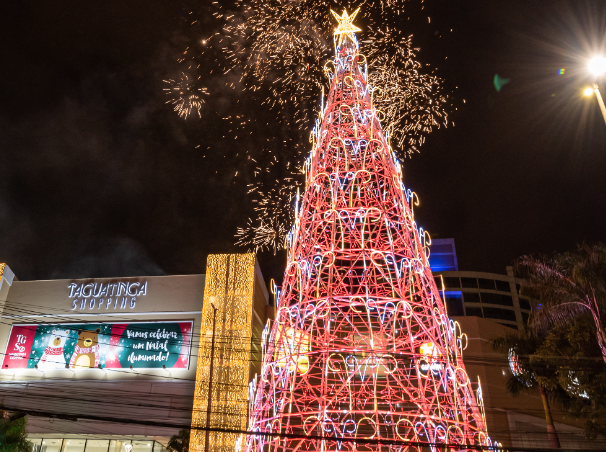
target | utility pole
[{"x": 210, "y": 379}]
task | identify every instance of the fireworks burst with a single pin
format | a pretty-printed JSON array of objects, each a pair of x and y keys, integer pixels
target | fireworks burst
[
  {"x": 412, "y": 102},
  {"x": 185, "y": 98},
  {"x": 274, "y": 211},
  {"x": 278, "y": 49}
]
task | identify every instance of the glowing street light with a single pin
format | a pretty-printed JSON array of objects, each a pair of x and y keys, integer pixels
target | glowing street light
[{"x": 597, "y": 66}]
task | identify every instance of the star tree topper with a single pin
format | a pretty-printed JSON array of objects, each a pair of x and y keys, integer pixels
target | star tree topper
[{"x": 346, "y": 26}]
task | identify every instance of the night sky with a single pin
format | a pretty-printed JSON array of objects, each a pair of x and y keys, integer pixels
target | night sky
[{"x": 99, "y": 177}]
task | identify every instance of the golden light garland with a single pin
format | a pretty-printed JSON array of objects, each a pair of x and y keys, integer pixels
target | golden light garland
[{"x": 229, "y": 286}]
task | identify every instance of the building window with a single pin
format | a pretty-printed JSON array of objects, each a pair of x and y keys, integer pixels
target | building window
[
  {"x": 486, "y": 283},
  {"x": 142, "y": 446},
  {"x": 472, "y": 297},
  {"x": 525, "y": 316},
  {"x": 80, "y": 444},
  {"x": 503, "y": 286},
  {"x": 36, "y": 443},
  {"x": 497, "y": 298},
  {"x": 97, "y": 445},
  {"x": 498, "y": 313},
  {"x": 441, "y": 249},
  {"x": 454, "y": 305},
  {"x": 73, "y": 445},
  {"x": 118, "y": 445},
  {"x": 450, "y": 281},
  {"x": 524, "y": 304},
  {"x": 471, "y": 283},
  {"x": 51, "y": 445},
  {"x": 473, "y": 311},
  {"x": 509, "y": 325}
]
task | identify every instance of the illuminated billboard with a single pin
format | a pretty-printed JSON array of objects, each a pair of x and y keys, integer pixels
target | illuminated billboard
[{"x": 141, "y": 345}]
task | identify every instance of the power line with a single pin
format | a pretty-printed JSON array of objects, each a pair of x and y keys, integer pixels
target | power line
[{"x": 351, "y": 440}]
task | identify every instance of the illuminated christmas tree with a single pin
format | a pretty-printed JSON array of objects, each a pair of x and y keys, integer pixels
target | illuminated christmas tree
[{"x": 362, "y": 351}]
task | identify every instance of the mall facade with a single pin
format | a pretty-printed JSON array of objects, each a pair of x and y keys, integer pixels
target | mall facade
[{"x": 118, "y": 365}]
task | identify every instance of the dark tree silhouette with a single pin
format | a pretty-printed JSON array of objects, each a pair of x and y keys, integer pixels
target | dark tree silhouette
[
  {"x": 13, "y": 433},
  {"x": 566, "y": 286},
  {"x": 179, "y": 442}
]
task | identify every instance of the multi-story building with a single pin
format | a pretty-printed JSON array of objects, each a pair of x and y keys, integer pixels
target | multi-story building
[
  {"x": 484, "y": 304},
  {"x": 468, "y": 293},
  {"x": 115, "y": 365},
  {"x": 516, "y": 422}
]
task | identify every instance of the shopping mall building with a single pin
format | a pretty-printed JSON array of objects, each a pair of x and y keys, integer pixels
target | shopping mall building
[{"x": 117, "y": 365}]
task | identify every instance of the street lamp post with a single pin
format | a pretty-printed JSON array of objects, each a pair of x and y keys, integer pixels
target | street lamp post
[
  {"x": 597, "y": 66},
  {"x": 210, "y": 380}
]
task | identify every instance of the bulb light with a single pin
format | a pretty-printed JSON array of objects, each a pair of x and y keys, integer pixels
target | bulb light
[{"x": 597, "y": 65}]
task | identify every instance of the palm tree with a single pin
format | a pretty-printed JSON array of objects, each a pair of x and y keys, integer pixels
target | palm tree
[
  {"x": 567, "y": 285},
  {"x": 179, "y": 442},
  {"x": 529, "y": 374}
]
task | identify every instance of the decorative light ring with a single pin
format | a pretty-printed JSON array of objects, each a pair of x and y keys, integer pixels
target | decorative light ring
[
  {"x": 374, "y": 214},
  {"x": 407, "y": 306},
  {"x": 455, "y": 435},
  {"x": 377, "y": 146},
  {"x": 395, "y": 363},
  {"x": 352, "y": 361},
  {"x": 330, "y": 256},
  {"x": 461, "y": 377},
  {"x": 330, "y": 215},
  {"x": 410, "y": 428},
  {"x": 372, "y": 422},
  {"x": 356, "y": 301},
  {"x": 345, "y": 110},
  {"x": 440, "y": 434},
  {"x": 332, "y": 359},
  {"x": 374, "y": 255},
  {"x": 322, "y": 309},
  {"x": 308, "y": 426},
  {"x": 482, "y": 438},
  {"x": 318, "y": 182},
  {"x": 336, "y": 143}
]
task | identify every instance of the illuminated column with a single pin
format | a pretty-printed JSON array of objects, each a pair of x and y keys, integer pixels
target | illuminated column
[
  {"x": 362, "y": 351},
  {"x": 229, "y": 285}
]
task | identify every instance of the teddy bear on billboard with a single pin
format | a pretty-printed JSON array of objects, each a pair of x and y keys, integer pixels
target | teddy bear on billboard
[
  {"x": 53, "y": 356},
  {"x": 86, "y": 351}
]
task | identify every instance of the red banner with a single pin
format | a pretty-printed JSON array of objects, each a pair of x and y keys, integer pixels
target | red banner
[{"x": 19, "y": 346}]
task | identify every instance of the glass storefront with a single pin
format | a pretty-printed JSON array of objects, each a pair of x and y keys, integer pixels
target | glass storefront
[{"x": 94, "y": 445}]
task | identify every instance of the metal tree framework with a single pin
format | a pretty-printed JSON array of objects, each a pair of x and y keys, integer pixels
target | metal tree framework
[{"x": 362, "y": 347}]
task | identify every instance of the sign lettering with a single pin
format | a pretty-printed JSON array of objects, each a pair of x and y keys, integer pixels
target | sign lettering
[{"x": 99, "y": 296}]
